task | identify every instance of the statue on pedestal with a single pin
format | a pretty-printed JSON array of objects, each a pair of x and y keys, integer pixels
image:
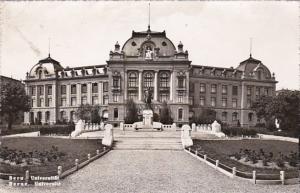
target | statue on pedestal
[{"x": 148, "y": 98}]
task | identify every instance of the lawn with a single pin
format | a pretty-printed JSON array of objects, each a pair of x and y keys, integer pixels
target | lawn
[
  {"x": 221, "y": 149},
  {"x": 73, "y": 149}
]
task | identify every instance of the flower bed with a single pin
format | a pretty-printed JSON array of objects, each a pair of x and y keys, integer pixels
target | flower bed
[
  {"x": 42, "y": 155},
  {"x": 222, "y": 150}
]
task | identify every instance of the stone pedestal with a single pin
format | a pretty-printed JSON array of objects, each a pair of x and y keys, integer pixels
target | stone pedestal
[{"x": 148, "y": 119}]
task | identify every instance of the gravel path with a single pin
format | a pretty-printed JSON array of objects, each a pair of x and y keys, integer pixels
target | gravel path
[{"x": 151, "y": 171}]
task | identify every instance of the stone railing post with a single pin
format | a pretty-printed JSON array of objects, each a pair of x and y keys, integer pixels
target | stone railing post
[
  {"x": 205, "y": 157},
  {"x": 233, "y": 171},
  {"x": 89, "y": 156},
  {"x": 59, "y": 171},
  {"x": 26, "y": 175},
  {"x": 254, "y": 176},
  {"x": 76, "y": 163},
  {"x": 217, "y": 164},
  {"x": 97, "y": 152},
  {"x": 282, "y": 177},
  {"x": 196, "y": 152}
]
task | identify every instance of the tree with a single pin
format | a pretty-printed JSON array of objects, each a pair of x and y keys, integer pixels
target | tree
[
  {"x": 165, "y": 114},
  {"x": 89, "y": 113},
  {"x": 207, "y": 116},
  {"x": 131, "y": 112},
  {"x": 284, "y": 107},
  {"x": 13, "y": 101}
]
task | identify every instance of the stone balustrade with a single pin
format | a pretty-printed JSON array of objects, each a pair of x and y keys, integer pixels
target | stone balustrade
[{"x": 214, "y": 128}]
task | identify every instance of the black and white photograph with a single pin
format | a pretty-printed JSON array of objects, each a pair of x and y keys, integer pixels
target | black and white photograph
[{"x": 149, "y": 96}]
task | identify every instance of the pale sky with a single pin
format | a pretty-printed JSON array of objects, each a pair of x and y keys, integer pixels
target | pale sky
[{"x": 214, "y": 33}]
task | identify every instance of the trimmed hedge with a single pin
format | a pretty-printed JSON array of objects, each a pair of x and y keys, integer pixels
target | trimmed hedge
[
  {"x": 44, "y": 129},
  {"x": 239, "y": 131}
]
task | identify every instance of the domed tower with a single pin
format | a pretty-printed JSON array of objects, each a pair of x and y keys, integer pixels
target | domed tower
[
  {"x": 149, "y": 61},
  {"x": 41, "y": 85}
]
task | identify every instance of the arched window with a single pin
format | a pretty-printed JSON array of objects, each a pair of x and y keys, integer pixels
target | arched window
[
  {"x": 47, "y": 117},
  {"x": 72, "y": 116},
  {"x": 180, "y": 114},
  {"x": 132, "y": 79},
  {"x": 63, "y": 116},
  {"x": 259, "y": 74},
  {"x": 164, "y": 80},
  {"x": 234, "y": 116},
  {"x": 148, "y": 80}
]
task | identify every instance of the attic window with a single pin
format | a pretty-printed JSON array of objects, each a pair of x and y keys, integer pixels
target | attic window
[
  {"x": 164, "y": 44},
  {"x": 133, "y": 44}
]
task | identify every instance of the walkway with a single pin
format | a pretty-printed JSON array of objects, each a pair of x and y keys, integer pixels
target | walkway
[{"x": 152, "y": 171}]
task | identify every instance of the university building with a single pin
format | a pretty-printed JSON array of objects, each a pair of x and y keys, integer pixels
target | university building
[{"x": 148, "y": 61}]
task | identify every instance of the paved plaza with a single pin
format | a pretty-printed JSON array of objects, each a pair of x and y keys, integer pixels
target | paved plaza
[{"x": 151, "y": 171}]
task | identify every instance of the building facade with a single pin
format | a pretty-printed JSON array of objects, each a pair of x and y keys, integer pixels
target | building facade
[{"x": 147, "y": 62}]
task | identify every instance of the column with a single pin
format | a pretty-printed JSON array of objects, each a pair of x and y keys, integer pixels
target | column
[
  {"x": 78, "y": 94},
  {"x": 68, "y": 90},
  {"x": 100, "y": 93},
  {"x": 243, "y": 103},
  {"x": 54, "y": 97},
  {"x": 155, "y": 85},
  {"x": 140, "y": 85},
  {"x": 89, "y": 93},
  {"x": 171, "y": 86}
]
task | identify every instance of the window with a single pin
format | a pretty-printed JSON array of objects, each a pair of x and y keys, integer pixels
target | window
[
  {"x": 132, "y": 80},
  {"x": 148, "y": 80},
  {"x": 94, "y": 88},
  {"x": 73, "y": 89},
  {"x": 63, "y": 116},
  {"x": 63, "y": 89},
  {"x": 180, "y": 114},
  {"x": 132, "y": 95},
  {"x": 202, "y": 101},
  {"x": 234, "y": 116},
  {"x": 266, "y": 92},
  {"x": 202, "y": 87},
  {"x": 213, "y": 101},
  {"x": 105, "y": 86},
  {"x": 249, "y": 90},
  {"x": 116, "y": 113},
  {"x": 250, "y": 117},
  {"x": 73, "y": 101},
  {"x": 38, "y": 101},
  {"x": 72, "y": 115},
  {"x": 49, "y": 89},
  {"x": 33, "y": 91},
  {"x": 63, "y": 102},
  {"x": 234, "y": 90},
  {"x": 180, "y": 97},
  {"x": 94, "y": 100},
  {"x": 83, "y": 88},
  {"x": 191, "y": 100},
  {"x": 40, "y": 90},
  {"x": 164, "y": 80},
  {"x": 234, "y": 103},
  {"x": 33, "y": 103},
  {"x": 41, "y": 102},
  {"x": 105, "y": 99},
  {"x": 181, "y": 82},
  {"x": 49, "y": 102},
  {"x": 47, "y": 116},
  {"x": 257, "y": 91},
  {"x": 191, "y": 86},
  {"x": 259, "y": 75},
  {"x": 163, "y": 97},
  {"x": 115, "y": 97},
  {"x": 116, "y": 82},
  {"x": 248, "y": 102},
  {"x": 224, "y": 116},
  {"x": 224, "y": 89},
  {"x": 224, "y": 102},
  {"x": 213, "y": 88},
  {"x": 84, "y": 100}
]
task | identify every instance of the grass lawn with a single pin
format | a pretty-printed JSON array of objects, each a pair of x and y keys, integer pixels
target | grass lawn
[
  {"x": 221, "y": 149},
  {"x": 73, "y": 148}
]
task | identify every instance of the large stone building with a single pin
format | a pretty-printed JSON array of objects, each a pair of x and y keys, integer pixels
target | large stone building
[{"x": 148, "y": 61}]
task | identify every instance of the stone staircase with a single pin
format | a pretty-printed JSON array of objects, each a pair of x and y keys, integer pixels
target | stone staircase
[{"x": 147, "y": 140}]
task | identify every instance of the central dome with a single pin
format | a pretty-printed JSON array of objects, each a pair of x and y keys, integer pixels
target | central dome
[{"x": 148, "y": 41}]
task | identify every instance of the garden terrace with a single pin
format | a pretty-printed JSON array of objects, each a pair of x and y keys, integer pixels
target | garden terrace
[
  {"x": 62, "y": 152},
  {"x": 222, "y": 150}
]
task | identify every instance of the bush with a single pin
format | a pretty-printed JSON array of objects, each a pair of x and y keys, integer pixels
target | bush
[
  {"x": 239, "y": 131},
  {"x": 58, "y": 130}
]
